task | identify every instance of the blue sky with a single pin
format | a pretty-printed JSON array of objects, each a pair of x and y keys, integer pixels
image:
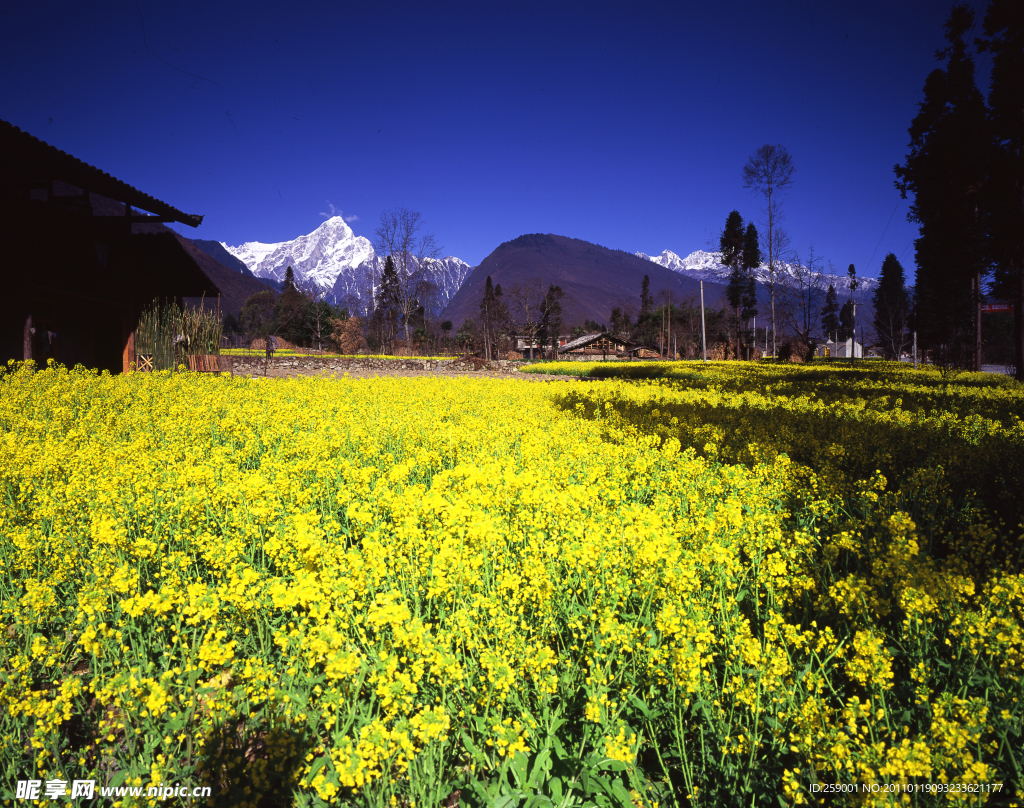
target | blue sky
[{"x": 625, "y": 124}]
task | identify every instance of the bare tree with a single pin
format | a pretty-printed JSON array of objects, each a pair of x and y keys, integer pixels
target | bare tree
[
  {"x": 803, "y": 293},
  {"x": 399, "y": 235},
  {"x": 769, "y": 172},
  {"x": 524, "y": 307}
]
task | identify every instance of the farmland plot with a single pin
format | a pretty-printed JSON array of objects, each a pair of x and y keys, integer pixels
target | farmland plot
[{"x": 743, "y": 586}]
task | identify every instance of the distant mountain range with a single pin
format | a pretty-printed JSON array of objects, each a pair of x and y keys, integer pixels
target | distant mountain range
[
  {"x": 708, "y": 266},
  {"x": 345, "y": 267},
  {"x": 337, "y": 261}
]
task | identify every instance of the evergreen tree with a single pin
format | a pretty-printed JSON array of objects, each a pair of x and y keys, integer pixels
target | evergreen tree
[
  {"x": 751, "y": 261},
  {"x": 292, "y": 311},
  {"x": 487, "y": 311},
  {"x": 621, "y": 323},
  {"x": 846, "y": 325},
  {"x": 388, "y": 306},
  {"x": 1003, "y": 195},
  {"x": 645, "y": 296},
  {"x": 501, "y": 319},
  {"x": 945, "y": 169},
  {"x": 731, "y": 242},
  {"x": 892, "y": 307},
  {"x": 830, "y": 314}
]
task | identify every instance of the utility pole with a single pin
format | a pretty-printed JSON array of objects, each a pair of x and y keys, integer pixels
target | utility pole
[
  {"x": 915, "y": 350},
  {"x": 853, "y": 342}
]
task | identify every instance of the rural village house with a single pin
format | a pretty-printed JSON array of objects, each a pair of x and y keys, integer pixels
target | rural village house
[{"x": 598, "y": 346}]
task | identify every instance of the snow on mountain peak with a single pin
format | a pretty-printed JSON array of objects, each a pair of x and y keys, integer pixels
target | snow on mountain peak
[
  {"x": 336, "y": 260},
  {"x": 317, "y": 258},
  {"x": 708, "y": 266}
]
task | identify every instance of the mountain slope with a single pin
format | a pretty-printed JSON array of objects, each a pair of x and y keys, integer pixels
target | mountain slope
[
  {"x": 353, "y": 288},
  {"x": 216, "y": 251},
  {"x": 594, "y": 278}
]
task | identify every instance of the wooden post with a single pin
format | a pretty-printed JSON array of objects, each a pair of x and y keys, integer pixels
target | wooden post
[
  {"x": 128, "y": 340},
  {"x": 977, "y": 321},
  {"x": 27, "y": 339}
]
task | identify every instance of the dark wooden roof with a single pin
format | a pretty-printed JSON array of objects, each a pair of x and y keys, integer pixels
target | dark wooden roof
[
  {"x": 29, "y": 158},
  {"x": 588, "y": 339}
]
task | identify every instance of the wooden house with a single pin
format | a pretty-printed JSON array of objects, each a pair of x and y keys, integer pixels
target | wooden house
[
  {"x": 596, "y": 347},
  {"x": 77, "y": 271}
]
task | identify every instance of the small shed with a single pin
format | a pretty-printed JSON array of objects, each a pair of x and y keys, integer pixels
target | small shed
[{"x": 77, "y": 270}]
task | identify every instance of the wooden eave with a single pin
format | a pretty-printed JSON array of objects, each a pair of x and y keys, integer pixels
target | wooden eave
[{"x": 32, "y": 163}]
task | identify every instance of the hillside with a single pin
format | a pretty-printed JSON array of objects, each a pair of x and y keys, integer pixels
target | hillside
[
  {"x": 595, "y": 279},
  {"x": 216, "y": 250}
]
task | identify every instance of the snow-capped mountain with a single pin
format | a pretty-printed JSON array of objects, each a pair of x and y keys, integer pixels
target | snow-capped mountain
[
  {"x": 336, "y": 260},
  {"x": 709, "y": 267},
  {"x": 318, "y": 257}
]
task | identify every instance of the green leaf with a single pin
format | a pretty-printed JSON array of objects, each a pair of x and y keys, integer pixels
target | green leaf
[
  {"x": 472, "y": 748},
  {"x": 519, "y": 768},
  {"x": 318, "y": 764},
  {"x": 596, "y": 784},
  {"x": 541, "y": 767},
  {"x": 611, "y": 765},
  {"x": 620, "y": 793},
  {"x": 642, "y": 706}
]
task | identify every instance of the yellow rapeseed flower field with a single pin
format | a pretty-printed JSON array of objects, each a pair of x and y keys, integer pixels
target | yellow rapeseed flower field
[{"x": 732, "y": 585}]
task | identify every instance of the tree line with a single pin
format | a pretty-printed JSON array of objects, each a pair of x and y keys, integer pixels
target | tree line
[{"x": 965, "y": 170}]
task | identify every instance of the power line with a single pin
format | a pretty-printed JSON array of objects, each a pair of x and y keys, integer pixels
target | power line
[
  {"x": 900, "y": 259},
  {"x": 883, "y": 234}
]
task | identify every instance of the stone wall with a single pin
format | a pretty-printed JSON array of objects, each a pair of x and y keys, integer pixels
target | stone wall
[{"x": 332, "y": 364}]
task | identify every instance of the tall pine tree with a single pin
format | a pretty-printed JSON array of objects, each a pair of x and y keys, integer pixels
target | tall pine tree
[
  {"x": 487, "y": 312},
  {"x": 846, "y": 324},
  {"x": 751, "y": 261},
  {"x": 945, "y": 170},
  {"x": 730, "y": 243},
  {"x": 645, "y": 296},
  {"x": 892, "y": 307},
  {"x": 830, "y": 314},
  {"x": 388, "y": 306},
  {"x": 1003, "y": 194}
]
